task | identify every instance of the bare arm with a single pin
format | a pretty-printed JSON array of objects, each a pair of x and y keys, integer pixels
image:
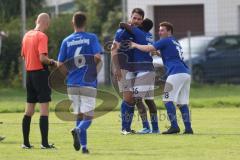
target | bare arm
[
  {"x": 144, "y": 48},
  {"x": 153, "y": 53},
  {"x": 45, "y": 60},
  {"x": 98, "y": 61},
  {"x": 114, "y": 58},
  {"x": 62, "y": 68},
  {"x": 126, "y": 26},
  {"x": 97, "y": 58}
]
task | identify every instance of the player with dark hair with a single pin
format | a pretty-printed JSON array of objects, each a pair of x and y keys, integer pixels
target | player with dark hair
[
  {"x": 83, "y": 50},
  {"x": 123, "y": 63},
  {"x": 144, "y": 75},
  {"x": 177, "y": 85}
]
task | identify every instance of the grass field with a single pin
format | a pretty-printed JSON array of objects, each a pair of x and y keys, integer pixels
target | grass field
[
  {"x": 217, "y": 136},
  {"x": 215, "y": 116},
  {"x": 202, "y": 96}
]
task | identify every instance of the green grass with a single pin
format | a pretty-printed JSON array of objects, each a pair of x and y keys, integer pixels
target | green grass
[
  {"x": 217, "y": 137},
  {"x": 202, "y": 96},
  {"x": 215, "y": 117}
]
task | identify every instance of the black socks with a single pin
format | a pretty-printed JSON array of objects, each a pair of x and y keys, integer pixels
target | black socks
[
  {"x": 26, "y": 129},
  {"x": 43, "y": 124}
]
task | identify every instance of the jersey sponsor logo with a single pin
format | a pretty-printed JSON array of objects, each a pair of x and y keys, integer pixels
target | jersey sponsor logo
[{"x": 78, "y": 42}]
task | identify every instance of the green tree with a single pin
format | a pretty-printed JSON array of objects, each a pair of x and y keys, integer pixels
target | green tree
[
  {"x": 10, "y": 9},
  {"x": 102, "y": 15}
]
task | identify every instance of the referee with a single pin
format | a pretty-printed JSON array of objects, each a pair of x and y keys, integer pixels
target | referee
[{"x": 35, "y": 55}]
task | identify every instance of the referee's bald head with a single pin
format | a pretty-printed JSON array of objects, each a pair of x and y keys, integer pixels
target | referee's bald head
[{"x": 43, "y": 20}]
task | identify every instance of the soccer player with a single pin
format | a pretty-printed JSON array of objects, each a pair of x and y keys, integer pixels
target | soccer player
[
  {"x": 123, "y": 62},
  {"x": 83, "y": 49},
  {"x": 144, "y": 75},
  {"x": 35, "y": 55},
  {"x": 177, "y": 85}
]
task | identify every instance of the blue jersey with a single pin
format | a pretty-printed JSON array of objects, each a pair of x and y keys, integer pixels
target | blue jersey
[
  {"x": 143, "y": 60},
  {"x": 143, "y": 38},
  {"x": 171, "y": 53},
  {"x": 125, "y": 54},
  {"x": 82, "y": 44}
]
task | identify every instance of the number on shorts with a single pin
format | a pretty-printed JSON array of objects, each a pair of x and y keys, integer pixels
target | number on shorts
[
  {"x": 166, "y": 95},
  {"x": 135, "y": 90}
]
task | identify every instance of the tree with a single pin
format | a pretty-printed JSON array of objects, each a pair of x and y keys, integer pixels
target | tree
[
  {"x": 101, "y": 14},
  {"x": 10, "y": 9}
]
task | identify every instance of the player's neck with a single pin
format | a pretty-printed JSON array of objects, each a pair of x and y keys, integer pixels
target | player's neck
[{"x": 79, "y": 30}]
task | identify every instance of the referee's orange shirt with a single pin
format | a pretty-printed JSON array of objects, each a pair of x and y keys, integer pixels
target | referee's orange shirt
[{"x": 34, "y": 43}]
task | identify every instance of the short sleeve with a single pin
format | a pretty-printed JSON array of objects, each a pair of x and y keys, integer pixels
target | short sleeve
[
  {"x": 96, "y": 47},
  {"x": 43, "y": 44},
  {"x": 159, "y": 44},
  {"x": 62, "y": 55},
  {"x": 119, "y": 35}
]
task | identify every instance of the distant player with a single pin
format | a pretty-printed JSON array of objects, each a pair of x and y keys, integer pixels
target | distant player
[
  {"x": 143, "y": 87},
  {"x": 83, "y": 49},
  {"x": 177, "y": 85}
]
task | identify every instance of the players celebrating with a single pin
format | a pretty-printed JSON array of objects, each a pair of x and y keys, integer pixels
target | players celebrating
[
  {"x": 124, "y": 63},
  {"x": 177, "y": 85},
  {"x": 83, "y": 50},
  {"x": 143, "y": 87}
]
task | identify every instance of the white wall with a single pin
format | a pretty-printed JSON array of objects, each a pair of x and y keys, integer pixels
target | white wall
[
  {"x": 228, "y": 16},
  {"x": 53, "y": 2},
  {"x": 220, "y": 16}
]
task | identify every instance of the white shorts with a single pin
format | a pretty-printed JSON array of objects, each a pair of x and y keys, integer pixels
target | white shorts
[
  {"x": 144, "y": 85},
  {"x": 177, "y": 88},
  {"x": 83, "y": 99},
  {"x": 127, "y": 81}
]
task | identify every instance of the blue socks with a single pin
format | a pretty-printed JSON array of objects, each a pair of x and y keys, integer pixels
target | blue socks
[
  {"x": 154, "y": 121},
  {"x": 127, "y": 113},
  {"x": 186, "y": 116},
  {"x": 171, "y": 111},
  {"x": 83, "y": 126},
  {"x": 123, "y": 113},
  {"x": 145, "y": 124}
]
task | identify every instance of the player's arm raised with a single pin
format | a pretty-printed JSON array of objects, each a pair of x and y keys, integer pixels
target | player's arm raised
[
  {"x": 126, "y": 26},
  {"x": 144, "y": 48}
]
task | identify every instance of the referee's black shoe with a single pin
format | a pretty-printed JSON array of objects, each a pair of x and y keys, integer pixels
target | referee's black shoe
[
  {"x": 172, "y": 130},
  {"x": 27, "y": 146},
  {"x": 76, "y": 140}
]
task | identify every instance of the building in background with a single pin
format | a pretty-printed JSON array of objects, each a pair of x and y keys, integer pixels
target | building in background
[
  {"x": 201, "y": 17},
  {"x": 60, "y": 6}
]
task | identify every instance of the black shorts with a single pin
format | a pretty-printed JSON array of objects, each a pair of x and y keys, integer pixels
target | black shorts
[{"x": 38, "y": 89}]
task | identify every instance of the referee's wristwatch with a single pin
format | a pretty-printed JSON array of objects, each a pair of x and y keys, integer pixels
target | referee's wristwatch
[{"x": 51, "y": 62}]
